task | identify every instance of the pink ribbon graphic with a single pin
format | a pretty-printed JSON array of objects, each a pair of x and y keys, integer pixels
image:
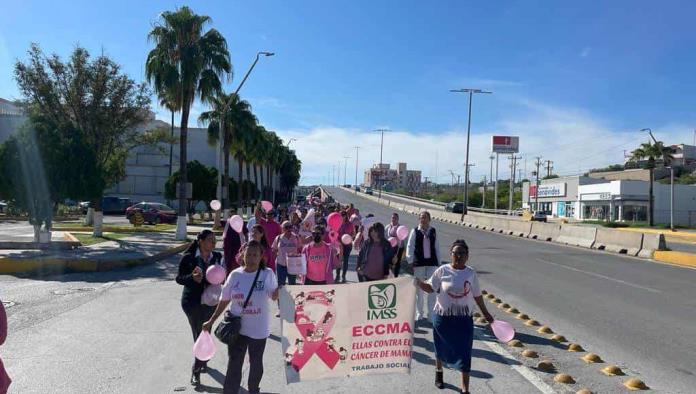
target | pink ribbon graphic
[{"x": 315, "y": 335}]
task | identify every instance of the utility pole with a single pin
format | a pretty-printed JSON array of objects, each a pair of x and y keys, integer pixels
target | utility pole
[
  {"x": 549, "y": 168},
  {"x": 495, "y": 187},
  {"x": 357, "y": 148},
  {"x": 468, "y": 138},
  {"x": 345, "y": 170},
  {"x": 381, "y": 146},
  {"x": 437, "y": 159},
  {"x": 513, "y": 168},
  {"x": 536, "y": 191},
  {"x": 466, "y": 179},
  {"x": 483, "y": 197},
  {"x": 452, "y": 173}
]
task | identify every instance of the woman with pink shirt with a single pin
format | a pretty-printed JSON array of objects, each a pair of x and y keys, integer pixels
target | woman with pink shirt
[{"x": 320, "y": 259}]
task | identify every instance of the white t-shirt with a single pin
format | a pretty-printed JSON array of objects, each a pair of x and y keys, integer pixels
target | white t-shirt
[
  {"x": 287, "y": 246},
  {"x": 455, "y": 290},
  {"x": 256, "y": 319}
]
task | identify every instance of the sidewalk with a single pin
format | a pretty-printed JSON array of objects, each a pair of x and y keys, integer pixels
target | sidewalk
[{"x": 133, "y": 250}]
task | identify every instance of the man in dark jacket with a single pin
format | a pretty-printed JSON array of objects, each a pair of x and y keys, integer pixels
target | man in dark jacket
[{"x": 423, "y": 253}]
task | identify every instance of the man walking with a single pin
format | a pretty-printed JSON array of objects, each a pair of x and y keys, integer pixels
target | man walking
[{"x": 423, "y": 253}]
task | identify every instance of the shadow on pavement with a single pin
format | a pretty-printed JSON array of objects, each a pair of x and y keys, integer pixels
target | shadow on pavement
[{"x": 537, "y": 340}]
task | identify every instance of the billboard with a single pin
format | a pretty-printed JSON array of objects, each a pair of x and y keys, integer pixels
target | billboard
[
  {"x": 505, "y": 144},
  {"x": 548, "y": 190}
]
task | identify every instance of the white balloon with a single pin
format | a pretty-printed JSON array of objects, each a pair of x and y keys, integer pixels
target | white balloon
[{"x": 215, "y": 205}]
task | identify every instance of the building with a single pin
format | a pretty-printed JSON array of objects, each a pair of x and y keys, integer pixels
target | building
[
  {"x": 585, "y": 198},
  {"x": 11, "y": 119},
  {"x": 390, "y": 179}
]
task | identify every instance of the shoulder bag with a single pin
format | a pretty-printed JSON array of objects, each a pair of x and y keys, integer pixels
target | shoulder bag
[{"x": 228, "y": 329}]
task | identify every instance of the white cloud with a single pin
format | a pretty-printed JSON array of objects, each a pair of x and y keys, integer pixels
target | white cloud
[{"x": 573, "y": 139}]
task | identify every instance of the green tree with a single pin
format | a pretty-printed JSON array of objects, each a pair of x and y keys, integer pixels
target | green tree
[
  {"x": 190, "y": 61},
  {"x": 647, "y": 155},
  {"x": 92, "y": 101},
  {"x": 204, "y": 184}
]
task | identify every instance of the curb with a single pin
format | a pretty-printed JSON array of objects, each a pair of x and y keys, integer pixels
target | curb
[
  {"x": 48, "y": 266},
  {"x": 672, "y": 234},
  {"x": 681, "y": 259},
  {"x": 107, "y": 229}
]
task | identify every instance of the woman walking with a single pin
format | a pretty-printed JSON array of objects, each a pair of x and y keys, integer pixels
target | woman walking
[
  {"x": 320, "y": 259},
  {"x": 258, "y": 233},
  {"x": 346, "y": 228},
  {"x": 423, "y": 253},
  {"x": 192, "y": 267},
  {"x": 255, "y": 278},
  {"x": 390, "y": 231},
  {"x": 457, "y": 289},
  {"x": 286, "y": 244},
  {"x": 375, "y": 256},
  {"x": 232, "y": 242}
]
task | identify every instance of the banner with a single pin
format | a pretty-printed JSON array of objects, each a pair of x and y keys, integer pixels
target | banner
[{"x": 347, "y": 330}]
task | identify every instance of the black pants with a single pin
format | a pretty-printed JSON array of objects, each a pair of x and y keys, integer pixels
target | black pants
[
  {"x": 197, "y": 315},
  {"x": 236, "y": 353},
  {"x": 346, "y": 255},
  {"x": 308, "y": 281},
  {"x": 397, "y": 265}
]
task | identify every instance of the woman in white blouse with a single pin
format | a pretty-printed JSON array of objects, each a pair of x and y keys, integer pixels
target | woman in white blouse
[{"x": 458, "y": 292}]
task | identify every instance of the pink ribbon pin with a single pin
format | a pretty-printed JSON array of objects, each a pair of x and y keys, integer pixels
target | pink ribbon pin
[{"x": 315, "y": 335}]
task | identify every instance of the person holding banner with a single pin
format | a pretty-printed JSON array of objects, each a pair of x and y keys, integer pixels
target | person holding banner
[
  {"x": 256, "y": 317},
  {"x": 286, "y": 244},
  {"x": 457, "y": 290},
  {"x": 346, "y": 228},
  {"x": 375, "y": 256},
  {"x": 192, "y": 268},
  {"x": 423, "y": 253},
  {"x": 320, "y": 257}
]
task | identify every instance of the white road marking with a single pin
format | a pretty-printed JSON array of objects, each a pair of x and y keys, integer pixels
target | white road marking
[
  {"x": 623, "y": 282},
  {"x": 521, "y": 369}
]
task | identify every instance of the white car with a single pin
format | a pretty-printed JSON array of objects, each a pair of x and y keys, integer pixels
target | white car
[{"x": 3, "y": 206}]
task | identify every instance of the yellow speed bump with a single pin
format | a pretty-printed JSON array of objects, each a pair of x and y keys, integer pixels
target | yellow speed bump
[
  {"x": 512, "y": 310},
  {"x": 612, "y": 370},
  {"x": 515, "y": 343},
  {"x": 635, "y": 384},
  {"x": 531, "y": 323},
  {"x": 497, "y": 301},
  {"x": 563, "y": 378},
  {"x": 545, "y": 330},
  {"x": 584, "y": 391},
  {"x": 574, "y": 347},
  {"x": 503, "y": 306},
  {"x": 559, "y": 338},
  {"x": 490, "y": 296},
  {"x": 484, "y": 292},
  {"x": 522, "y": 316},
  {"x": 545, "y": 366},
  {"x": 591, "y": 358},
  {"x": 477, "y": 314},
  {"x": 530, "y": 353},
  {"x": 481, "y": 320}
]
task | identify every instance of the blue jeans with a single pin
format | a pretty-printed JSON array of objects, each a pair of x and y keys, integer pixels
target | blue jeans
[
  {"x": 283, "y": 274},
  {"x": 346, "y": 256}
]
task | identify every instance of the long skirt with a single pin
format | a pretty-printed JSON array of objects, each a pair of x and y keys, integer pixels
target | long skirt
[{"x": 453, "y": 337}]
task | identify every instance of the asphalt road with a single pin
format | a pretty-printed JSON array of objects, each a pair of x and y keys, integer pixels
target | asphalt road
[
  {"x": 124, "y": 332},
  {"x": 635, "y": 313}
]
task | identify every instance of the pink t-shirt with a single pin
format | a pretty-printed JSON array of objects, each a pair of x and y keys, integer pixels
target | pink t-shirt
[{"x": 319, "y": 262}]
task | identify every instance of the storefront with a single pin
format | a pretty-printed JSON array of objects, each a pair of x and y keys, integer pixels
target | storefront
[
  {"x": 558, "y": 197},
  {"x": 614, "y": 201}
]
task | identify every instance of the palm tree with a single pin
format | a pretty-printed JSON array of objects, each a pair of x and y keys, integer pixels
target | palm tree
[
  {"x": 260, "y": 155},
  {"x": 238, "y": 118},
  {"x": 240, "y": 145},
  {"x": 187, "y": 60},
  {"x": 646, "y": 156},
  {"x": 274, "y": 150},
  {"x": 171, "y": 101}
]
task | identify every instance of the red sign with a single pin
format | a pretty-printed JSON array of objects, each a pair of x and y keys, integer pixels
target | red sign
[{"x": 505, "y": 144}]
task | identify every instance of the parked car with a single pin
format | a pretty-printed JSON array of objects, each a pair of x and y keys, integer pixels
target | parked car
[
  {"x": 357, "y": 188},
  {"x": 368, "y": 190},
  {"x": 455, "y": 207},
  {"x": 110, "y": 205},
  {"x": 3, "y": 206},
  {"x": 539, "y": 216},
  {"x": 153, "y": 213}
]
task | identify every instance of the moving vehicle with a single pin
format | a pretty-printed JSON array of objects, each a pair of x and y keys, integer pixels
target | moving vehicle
[
  {"x": 153, "y": 213},
  {"x": 455, "y": 207},
  {"x": 368, "y": 190},
  {"x": 539, "y": 216},
  {"x": 357, "y": 188}
]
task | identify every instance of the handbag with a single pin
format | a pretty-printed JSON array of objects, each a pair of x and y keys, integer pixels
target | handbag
[{"x": 228, "y": 329}]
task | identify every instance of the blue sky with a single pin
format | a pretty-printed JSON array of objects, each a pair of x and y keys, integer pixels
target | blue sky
[{"x": 574, "y": 80}]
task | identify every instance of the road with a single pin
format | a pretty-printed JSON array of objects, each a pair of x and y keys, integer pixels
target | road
[
  {"x": 638, "y": 314},
  {"x": 124, "y": 332}
]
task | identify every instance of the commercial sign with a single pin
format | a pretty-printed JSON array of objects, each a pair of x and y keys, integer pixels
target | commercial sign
[
  {"x": 336, "y": 331},
  {"x": 596, "y": 196},
  {"x": 505, "y": 144},
  {"x": 548, "y": 190}
]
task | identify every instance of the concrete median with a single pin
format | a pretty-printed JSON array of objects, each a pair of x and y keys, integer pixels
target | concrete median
[
  {"x": 651, "y": 243},
  {"x": 577, "y": 235},
  {"x": 544, "y": 231},
  {"x": 519, "y": 228},
  {"x": 618, "y": 241}
]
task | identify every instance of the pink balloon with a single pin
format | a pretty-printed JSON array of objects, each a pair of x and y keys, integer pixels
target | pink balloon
[
  {"x": 215, "y": 274},
  {"x": 267, "y": 206},
  {"x": 354, "y": 219},
  {"x": 346, "y": 239},
  {"x": 204, "y": 348},
  {"x": 402, "y": 233},
  {"x": 334, "y": 221},
  {"x": 215, "y": 205},
  {"x": 393, "y": 241},
  {"x": 503, "y": 330},
  {"x": 236, "y": 222},
  {"x": 333, "y": 235}
]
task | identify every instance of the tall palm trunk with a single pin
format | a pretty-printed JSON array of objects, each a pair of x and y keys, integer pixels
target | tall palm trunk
[
  {"x": 239, "y": 184},
  {"x": 651, "y": 198},
  {"x": 263, "y": 187},
  {"x": 225, "y": 173},
  {"x": 256, "y": 178},
  {"x": 248, "y": 177}
]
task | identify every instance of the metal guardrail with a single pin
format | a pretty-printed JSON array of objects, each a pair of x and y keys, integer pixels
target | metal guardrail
[{"x": 415, "y": 198}]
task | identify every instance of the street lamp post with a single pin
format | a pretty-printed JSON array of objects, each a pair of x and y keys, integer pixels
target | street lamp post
[
  {"x": 468, "y": 138},
  {"x": 221, "y": 146},
  {"x": 345, "y": 170},
  {"x": 355, "y": 189},
  {"x": 290, "y": 141},
  {"x": 381, "y": 145}
]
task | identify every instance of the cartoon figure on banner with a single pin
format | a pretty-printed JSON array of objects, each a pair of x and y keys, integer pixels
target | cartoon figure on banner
[
  {"x": 330, "y": 295},
  {"x": 343, "y": 353},
  {"x": 314, "y": 319},
  {"x": 288, "y": 359},
  {"x": 300, "y": 299}
]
